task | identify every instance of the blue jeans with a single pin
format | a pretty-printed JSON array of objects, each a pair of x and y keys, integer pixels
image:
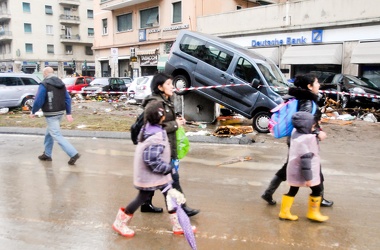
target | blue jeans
[{"x": 53, "y": 133}]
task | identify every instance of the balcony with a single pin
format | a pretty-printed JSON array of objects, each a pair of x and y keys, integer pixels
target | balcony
[
  {"x": 5, "y": 36},
  {"x": 69, "y": 2},
  {"x": 118, "y": 4},
  {"x": 4, "y": 16},
  {"x": 70, "y": 19},
  {"x": 70, "y": 38}
]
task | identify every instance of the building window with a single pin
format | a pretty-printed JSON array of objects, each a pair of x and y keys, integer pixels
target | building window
[
  {"x": 88, "y": 51},
  {"x": 48, "y": 10},
  {"x": 27, "y": 28},
  {"x": 69, "y": 49},
  {"x": 50, "y": 49},
  {"x": 105, "y": 26},
  {"x": 177, "y": 12},
  {"x": 49, "y": 29},
  {"x": 28, "y": 48},
  {"x": 90, "y": 14},
  {"x": 26, "y": 7},
  {"x": 149, "y": 18},
  {"x": 124, "y": 22},
  {"x": 90, "y": 32}
]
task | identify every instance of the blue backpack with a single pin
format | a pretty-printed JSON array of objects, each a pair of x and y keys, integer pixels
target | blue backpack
[{"x": 280, "y": 123}]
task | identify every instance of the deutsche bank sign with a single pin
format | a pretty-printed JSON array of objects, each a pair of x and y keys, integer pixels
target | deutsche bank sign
[{"x": 316, "y": 37}]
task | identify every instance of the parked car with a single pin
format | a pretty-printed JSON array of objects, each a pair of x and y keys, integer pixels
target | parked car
[
  {"x": 142, "y": 88},
  {"x": 127, "y": 81},
  {"x": 354, "y": 86},
  {"x": 201, "y": 60},
  {"x": 18, "y": 89},
  {"x": 77, "y": 83},
  {"x": 106, "y": 84}
]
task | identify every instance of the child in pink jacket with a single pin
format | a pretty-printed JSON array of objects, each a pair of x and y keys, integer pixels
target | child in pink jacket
[{"x": 303, "y": 167}]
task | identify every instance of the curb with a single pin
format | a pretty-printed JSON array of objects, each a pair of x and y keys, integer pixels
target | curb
[{"x": 121, "y": 135}]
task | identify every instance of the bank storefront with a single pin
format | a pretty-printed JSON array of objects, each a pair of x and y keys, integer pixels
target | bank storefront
[{"x": 354, "y": 51}]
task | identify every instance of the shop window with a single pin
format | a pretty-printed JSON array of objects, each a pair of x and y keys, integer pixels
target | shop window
[
  {"x": 124, "y": 22},
  {"x": 149, "y": 18},
  {"x": 26, "y": 7},
  {"x": 28, "y": 48},
  {"x": 48, "y": 10},
  {"x": 177, "y": 12},
  {"x": 27, "y": 28}
]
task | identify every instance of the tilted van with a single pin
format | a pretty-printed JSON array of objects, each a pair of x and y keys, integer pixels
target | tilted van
[{"x": 201, "y": 60}]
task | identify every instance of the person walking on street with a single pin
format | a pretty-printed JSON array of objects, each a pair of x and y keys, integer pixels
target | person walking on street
[
  {"x": 306, "y": 92},
  {"x": 151, "y": 170},
  {"x": 162, "y": 90},
  {"x": 303, "y": 167},
  {"x": 54, "y": 100}
]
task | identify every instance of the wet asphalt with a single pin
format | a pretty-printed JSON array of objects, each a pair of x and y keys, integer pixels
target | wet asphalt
[{"x": 52, "y": 205}]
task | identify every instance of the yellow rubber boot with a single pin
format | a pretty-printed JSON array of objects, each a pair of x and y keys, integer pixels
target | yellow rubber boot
[
  {"x": 314, "y": 212},
  {"x": 286, "y": 204}
]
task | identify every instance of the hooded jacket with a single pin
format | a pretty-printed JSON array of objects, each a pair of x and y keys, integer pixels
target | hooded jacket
[
  {"x": 152, "y": 166},
  {"x": 170, "y": 123},
  {"x": 304, "y": 159},
  {"x": 52, "y": 97}
]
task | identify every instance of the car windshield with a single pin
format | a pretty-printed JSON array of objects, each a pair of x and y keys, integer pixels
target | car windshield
[
  {"x": 117, "y": 81},
  {"x": 99, "y": 82},
  {"x": 272, "y": 75},
  {"x": 68, "y": 81},
  {"x": 141, "y": 80},
  {"x": 361, "y": 82},
  {"x": 371, "y": 82}
]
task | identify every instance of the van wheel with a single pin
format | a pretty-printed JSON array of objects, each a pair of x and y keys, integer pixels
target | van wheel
[
  {"x": 28, "y": 102},
  {"x": 261, "y": 121},
  {"x": 181, "y": 82}
]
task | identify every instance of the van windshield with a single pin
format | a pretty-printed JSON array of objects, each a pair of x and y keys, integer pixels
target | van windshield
[{"x": 273, "y": 76}]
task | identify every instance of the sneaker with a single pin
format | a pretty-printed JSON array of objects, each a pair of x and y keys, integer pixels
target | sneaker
[
  {"x": 74, "y": 159},
  {"x": 44, "y": 157}
]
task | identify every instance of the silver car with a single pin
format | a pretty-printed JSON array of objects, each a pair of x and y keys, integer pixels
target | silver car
[{"x": 18, "y": 89}]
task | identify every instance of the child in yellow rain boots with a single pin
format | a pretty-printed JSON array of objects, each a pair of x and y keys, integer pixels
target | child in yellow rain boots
[{"x": 303, "y": 168}]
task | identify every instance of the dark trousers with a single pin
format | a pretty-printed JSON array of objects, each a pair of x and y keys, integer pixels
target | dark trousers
[
  {"x": 140, "y": 199},
  {"x": 315, "y": 191}
]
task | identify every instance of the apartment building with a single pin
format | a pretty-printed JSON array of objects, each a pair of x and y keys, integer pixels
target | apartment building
[
  {"x": 133, "y": 38},
  {"x": 37, "y": 33},
  {"x": 324, "y": 36}
]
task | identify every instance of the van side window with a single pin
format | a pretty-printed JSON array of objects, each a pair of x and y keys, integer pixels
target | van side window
[
  {"x": 217, "y": 58},
  {"x": 192, "y": 46},
  {"x": 245, "y": 70}
]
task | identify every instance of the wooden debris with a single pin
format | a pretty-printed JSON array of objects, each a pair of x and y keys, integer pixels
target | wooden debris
[{"x": 226, "y": 131}]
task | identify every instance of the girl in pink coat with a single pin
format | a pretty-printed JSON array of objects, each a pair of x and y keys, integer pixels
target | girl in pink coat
[{"x": 303, "y": 167}]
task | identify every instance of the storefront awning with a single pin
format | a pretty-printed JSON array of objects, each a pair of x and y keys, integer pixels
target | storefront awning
[
  {"x": 366, "y": 53},
  {"x": 271, "y": 53},
  {"x": 162, "y": 61},
  {"x": 313, "y": 54},
  {"x": 146, "y": 52}
]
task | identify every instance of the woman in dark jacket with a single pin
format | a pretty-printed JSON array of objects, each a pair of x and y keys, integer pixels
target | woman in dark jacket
[
  {"x": 162, "y": 90},
  {"x": 305, "y": 91}
]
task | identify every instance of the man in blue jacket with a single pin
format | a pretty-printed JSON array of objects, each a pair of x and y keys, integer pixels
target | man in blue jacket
[{"x": 53, "y": 98}]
